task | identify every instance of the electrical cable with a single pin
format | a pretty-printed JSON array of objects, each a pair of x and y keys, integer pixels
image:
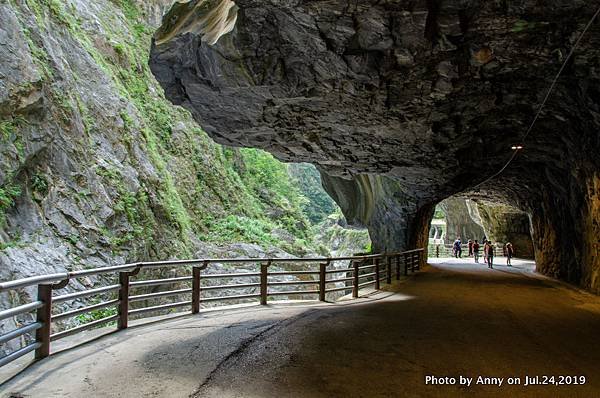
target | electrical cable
[{"x": 541, "y": 108}]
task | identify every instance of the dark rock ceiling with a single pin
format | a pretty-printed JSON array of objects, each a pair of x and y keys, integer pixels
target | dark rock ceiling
[{"x": 409, "y": 102}]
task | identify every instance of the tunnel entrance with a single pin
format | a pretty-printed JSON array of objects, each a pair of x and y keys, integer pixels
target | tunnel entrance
[{"x": 459, "y": 218}]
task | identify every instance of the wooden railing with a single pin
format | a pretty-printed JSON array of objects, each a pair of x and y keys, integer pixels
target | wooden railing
[{"x": 366, "y": 270}]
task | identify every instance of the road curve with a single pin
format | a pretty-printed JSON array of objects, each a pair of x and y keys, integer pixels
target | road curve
[{"x": 452, "y": 319}]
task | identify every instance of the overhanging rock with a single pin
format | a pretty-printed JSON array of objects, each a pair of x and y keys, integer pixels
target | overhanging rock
[{"x": 428, "y": 94}]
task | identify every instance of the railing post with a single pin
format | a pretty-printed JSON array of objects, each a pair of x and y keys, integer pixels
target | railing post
[
  {"x": 322, "y": 280},
  {"x": 377, "y": 274},
  {"x": 388, "y": 279},
  {"x": 123, "y": 300},
  {"x": 263, "y": 282},
  {"x": 44, "y": 316},
  {"x": 397, "y": 267},
  {"x": 355, "y": 284},
  {"x": 405, "y": 264},
  {"x": 437, "y": 251},
  {"x": 195, "y": 290}
]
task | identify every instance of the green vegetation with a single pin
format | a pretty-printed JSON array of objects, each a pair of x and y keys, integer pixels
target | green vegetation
[
  {"x": 7, "y": 245},
  {"x": 342, "y": 240},
  {"x": 129, "y": 9},
  {"x": 318, "y": 205},
  {"x": 192, "y": 187},
  {"x": 439, "y": 213},
  {"x": 119, "y": 49},
  {"x": 268, "y": 180},
  {"x": 39, "y": 184},
  {"x": 8, "y": 194},
  {"x": 242, "y": 229},
  {"x": 9, "y": 127},
  {"x": 96, "y": 315},
  {"x": 134, "y": 207}
]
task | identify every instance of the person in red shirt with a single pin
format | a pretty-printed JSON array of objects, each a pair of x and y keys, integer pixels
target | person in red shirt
[
  {"x": 510, "y": 252},
  {"x": 476, "y": 251},
  {"x": 489, "y": 253}
]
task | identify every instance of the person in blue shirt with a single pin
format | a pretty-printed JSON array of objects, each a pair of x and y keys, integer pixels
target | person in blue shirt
[{"x": 457, "y": 248}]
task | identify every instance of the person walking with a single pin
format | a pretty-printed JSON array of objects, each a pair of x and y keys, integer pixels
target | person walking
[
  {"x": 457, "y": 248},
  {"x": 510, "y": 252},
  {"x": 476, "y": 251},
  {"x": 470, "y": 245},
  {"x": 490, "y": 254},
  {"x": 484, "y": 243}
]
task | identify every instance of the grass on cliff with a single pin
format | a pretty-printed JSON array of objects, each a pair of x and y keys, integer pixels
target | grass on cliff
[
  {"x": 218, "y": 194},
  {"x": 8, "y": 195}
]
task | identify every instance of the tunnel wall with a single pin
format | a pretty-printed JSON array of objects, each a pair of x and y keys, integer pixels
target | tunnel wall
[
  {"x": 566, "y": 233},
  {"x": 591, "y": 232}
]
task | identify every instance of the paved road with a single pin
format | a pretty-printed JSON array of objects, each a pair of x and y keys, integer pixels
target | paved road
[{"x": 452, "y": 319}]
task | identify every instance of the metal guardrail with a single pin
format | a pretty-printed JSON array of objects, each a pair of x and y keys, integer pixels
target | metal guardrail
[{"x": 360, "y": 274}]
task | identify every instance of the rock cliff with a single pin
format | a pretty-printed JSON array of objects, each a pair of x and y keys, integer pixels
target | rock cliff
[
  {"x": 425, "y": 98},
  {"x": 460, "y": 221},
  {"x": 506, "y": 224},
  {"x": 98, "y": 168}
]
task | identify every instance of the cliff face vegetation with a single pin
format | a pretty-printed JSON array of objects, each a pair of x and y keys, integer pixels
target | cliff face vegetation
[
  {"x": 98, "y": 168},
  {"x": 425, "y": 97}
]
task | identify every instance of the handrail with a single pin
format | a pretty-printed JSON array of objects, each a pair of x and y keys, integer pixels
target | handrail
[
  {"x": 32, "y": 280},
  {"x": 85, "y": 293},
  {"x": 36, "y": 280},
  {"x": 13, "y": 334},
  {"x": 366, "y": 270},
  {"x": 22, "y": 309}
]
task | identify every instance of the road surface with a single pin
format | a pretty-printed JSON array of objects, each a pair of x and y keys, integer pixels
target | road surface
[{"x": 450, "y": 320}]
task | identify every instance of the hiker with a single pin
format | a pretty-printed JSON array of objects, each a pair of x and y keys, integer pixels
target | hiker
[
  {"x": 476, "y": 251},
  {"x": 489, "y": 250},
  {"x": 510, "y": 252},
  {"x": 470, "y": 244},
  {"x": 484, "y": 243},
  {"x": 457, "y": 248}
]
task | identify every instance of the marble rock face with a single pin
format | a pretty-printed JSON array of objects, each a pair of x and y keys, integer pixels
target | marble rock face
[{"x": 404, "y": 103}]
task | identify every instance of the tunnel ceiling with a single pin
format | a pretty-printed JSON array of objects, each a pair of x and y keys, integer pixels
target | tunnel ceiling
[
  {"x": 431, "y": 95},
  {"x": 425, "y": 97}
]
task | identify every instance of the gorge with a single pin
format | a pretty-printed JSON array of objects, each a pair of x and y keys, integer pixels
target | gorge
[
  {"x": 97, "y": 168},
  {"x": 263, "y": 198}
]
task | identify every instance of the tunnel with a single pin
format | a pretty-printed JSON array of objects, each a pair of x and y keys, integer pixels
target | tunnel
[
  {"x": 471, "y": 220},
  {"x": 403, "y": 104}
]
